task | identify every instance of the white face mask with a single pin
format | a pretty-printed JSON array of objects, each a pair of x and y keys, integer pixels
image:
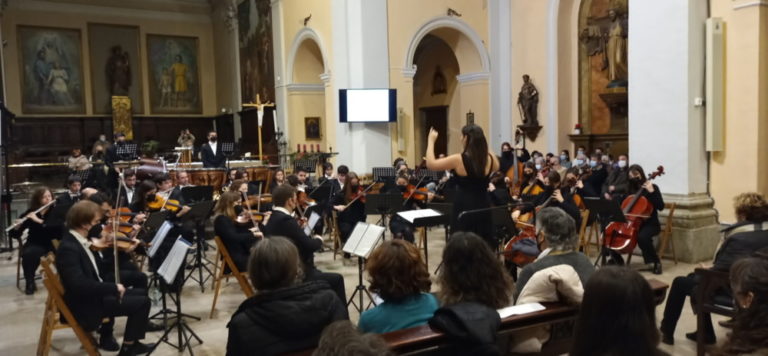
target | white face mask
[
  {"x": 622, "y": 163},
  {"x": 592, "y": 163},
  {"x": 538, "y": 167},
  {"x": 578, "y": 162}
]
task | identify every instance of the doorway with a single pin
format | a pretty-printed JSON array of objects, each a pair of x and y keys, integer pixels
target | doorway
[{"x": 437, "y": 117}]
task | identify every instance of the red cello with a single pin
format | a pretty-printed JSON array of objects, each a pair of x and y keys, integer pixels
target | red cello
[{"x": 622, "y": 237}]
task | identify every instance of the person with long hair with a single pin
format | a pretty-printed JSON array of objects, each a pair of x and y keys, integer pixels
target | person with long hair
[
  {"x": 749, "y": 283},
  {"x": 399, "y": 276},
  {"x": 351, "y": 210},
  {"x": 617, "y": 316},
  {"x": 285, "y": 315},
  {"x": 651, "y": 226},
  {"x": 471, "y": 272},
  {"x": 748, "y": 235},
  {"x": 473, "y": 166},
  {"x": 279, "y": 179},
  {"x": 230, "y": 227},
  {"x": 40, "y": 235}
]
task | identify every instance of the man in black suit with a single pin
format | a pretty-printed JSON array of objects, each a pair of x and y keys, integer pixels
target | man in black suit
[
  {"x": 128, "y": 191},
  {"x": 211, "y": 154},
  {"x": 282, "y": 223},
  {"x": 86, "y": 292},
  {"x": 72, "y": 196}
]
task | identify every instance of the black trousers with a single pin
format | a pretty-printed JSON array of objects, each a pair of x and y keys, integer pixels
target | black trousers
[
  {"x": 334, "y": 279},
  {"x": 135, "y": 305},
  {"x": 682, "y": 287},
  {"x": 30, "y": 259},
  {"x": 133, "y": 279}
]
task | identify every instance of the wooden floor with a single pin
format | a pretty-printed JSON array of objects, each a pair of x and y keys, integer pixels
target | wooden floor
[{"x": 21, "y": 315}]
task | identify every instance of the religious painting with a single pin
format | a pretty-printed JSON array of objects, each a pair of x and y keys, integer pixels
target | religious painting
[
  {"x": 52, "y": 71},
  {"x": 174, "y": 77},
  {"x": 257, "y": 68},
  {"x": 115, "y": 66},
  {"x": 312, "y": 128}
]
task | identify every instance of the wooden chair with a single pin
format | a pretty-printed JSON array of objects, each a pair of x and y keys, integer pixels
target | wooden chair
[
  {"x": 55, "y": 307},
  {"x": 583, "y": 238},
  {"x": 225, "y": 260},
  {"x": 666, "y": 235},
  {"x": 336, "y": 235},
  {"x": 710, "y": 299}
]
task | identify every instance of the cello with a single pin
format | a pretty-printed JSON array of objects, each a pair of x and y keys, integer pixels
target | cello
[{"x": 622, "y": 237}]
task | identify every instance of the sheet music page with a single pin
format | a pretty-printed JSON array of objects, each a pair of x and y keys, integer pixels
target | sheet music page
[
  {"x": 170, "y": 266},
  {"x": 369, "y": 240},
  {"x": 157, "y": 240},
  {"x": 355, "y": 237},
  {"x": 412, "y": 215},
  {"x": 520, "y": 309},
  {"x": 313, "y": 219}
]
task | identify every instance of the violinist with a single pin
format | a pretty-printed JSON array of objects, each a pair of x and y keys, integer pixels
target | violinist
[
  {"x": 239, "y": 186},
  {"x": 650, "y": 226},
  {"x": 172, "y": 197},
  {"x": 400, "y": 228},
  {"x": 305, "y": 181},
  {"x": 40, "y": 234},
  {"x": 341, "y": 178},
  {"x": 350, "y": 207},
  {"x": 234, "y": 227},
  {"x": 145, "y": 193},
  {"x": 599, "y": 173},
  {"x": 497, "y": 189},
  {"x": 128, "y": 193}
]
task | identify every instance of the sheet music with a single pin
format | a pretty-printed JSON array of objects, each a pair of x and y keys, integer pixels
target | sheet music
[
  {"x": 520, "y": 309},
  {"x": 363, "y": 239},
  {"x": 157, "y": 240},
  {"x": 172, "y": 262},
  {"x": 412, "y": 215},
  {"x": 313, "y": 219}
]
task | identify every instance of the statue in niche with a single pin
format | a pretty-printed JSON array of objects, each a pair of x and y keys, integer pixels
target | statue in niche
[
  {"x": 608, "y": 36},
  {"x": 439, "y": 85},
  {"x": 528, "y": 101},
  {"x": 118, "y": 72}
]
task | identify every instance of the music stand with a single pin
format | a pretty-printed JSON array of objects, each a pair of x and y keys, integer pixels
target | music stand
[
  {"x": 227, "y": 149},
  {"x": 83, "y": 175},
  {"x": 384, "y": 174},
  {"x": 196, "y": 194},
  {"x": 152, "y": 223},
  {"x": 361, "y": 242},
  {"x": 322, "y": 192},
  {"x": 606, "y": 211},
  {"x": 383, "y": 204},
  {"x": 126, "y": 152},
  {"x": 199, "y": 213}
]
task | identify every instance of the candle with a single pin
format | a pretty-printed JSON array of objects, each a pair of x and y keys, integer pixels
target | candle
[
  {"x": 298, "y": 147},
  {"x": 305, "y": 148},
  {"x": 318, "y": 148}
]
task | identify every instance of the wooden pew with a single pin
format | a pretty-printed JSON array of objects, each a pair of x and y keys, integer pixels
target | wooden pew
[{"x": 422, "y": 339}]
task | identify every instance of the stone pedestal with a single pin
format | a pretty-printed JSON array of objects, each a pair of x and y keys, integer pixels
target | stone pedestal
[
  {"x": 695, "y": 230},
  {"x": 616, "y": 100}
]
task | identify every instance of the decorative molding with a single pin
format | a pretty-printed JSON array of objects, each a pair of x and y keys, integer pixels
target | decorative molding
[
  {"x": 453, "y": 23},
  {"x": 326, "y": 77},
  {"x": 409, "y": 72},
  {"x": 744, "y": 5},
  {"x": 473, "y": 77},
  {"x": 196, "y": 13},
  {"x": 294, "y": 87},
  {"x": 306, "y": 33}
]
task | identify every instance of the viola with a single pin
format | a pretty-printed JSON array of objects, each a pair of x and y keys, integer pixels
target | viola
[{"x": 622, "y": 237}]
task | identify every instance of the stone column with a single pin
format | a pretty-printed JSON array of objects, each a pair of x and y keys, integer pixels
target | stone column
[{"x": 666, "y": 75}]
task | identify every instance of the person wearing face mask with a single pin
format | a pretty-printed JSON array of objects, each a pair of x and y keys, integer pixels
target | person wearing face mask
[
  {"x": 400, "y": 228},
  {"x": 554, "y": 195},
  {"x": 616, "y": 183},
  {"x": 565, "y": 159},
  {"x": 211, "y": 153},
  {"x": 597, "y": 178},
  {"x": 506, "y": 160}
]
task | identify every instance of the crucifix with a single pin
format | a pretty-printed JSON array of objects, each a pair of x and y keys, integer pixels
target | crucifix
[{"x": 260, "y": 113}]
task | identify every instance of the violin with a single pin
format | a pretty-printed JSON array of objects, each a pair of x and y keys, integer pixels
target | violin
[
  {"x": 161, "y": 203},
  {"x": 418, "y": 194},
  {"x": 622, "y": 237}
]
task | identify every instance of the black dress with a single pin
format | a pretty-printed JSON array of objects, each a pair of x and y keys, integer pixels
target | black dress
[{"x": 471, "y": 194}]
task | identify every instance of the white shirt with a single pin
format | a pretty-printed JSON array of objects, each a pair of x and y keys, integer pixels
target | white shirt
[
  {"x": 86, "y": 246},
  {"x": 282, "y": 210},
  {"x": 213, "y": 146},
  {"x": 129, "y": 194}
]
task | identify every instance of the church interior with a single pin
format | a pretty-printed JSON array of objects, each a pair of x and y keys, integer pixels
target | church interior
[{"x": 546, "y": 128}]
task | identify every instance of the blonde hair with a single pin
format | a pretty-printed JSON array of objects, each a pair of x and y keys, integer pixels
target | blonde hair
[
  {"x": 225, "y": 205},
  {"x": 751, "y": 206}
]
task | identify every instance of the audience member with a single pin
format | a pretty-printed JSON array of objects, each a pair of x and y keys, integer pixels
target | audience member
[
  {"x": 285, "y": 315},
  {"x": 617, "y": 316},
  {"x": 749, "y": 283},
  {"x": 400, "y": 277},
  {"x": 341, "y": 338}
]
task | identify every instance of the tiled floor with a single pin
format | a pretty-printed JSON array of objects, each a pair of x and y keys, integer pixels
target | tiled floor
[{"x": 21, "y": 315}]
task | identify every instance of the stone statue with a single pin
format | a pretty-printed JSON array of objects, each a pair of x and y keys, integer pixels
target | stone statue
[
  {"x": 528, "y": 101},
  {"x": 118, "y": 72},
  {"x": 616, "y": 51}
]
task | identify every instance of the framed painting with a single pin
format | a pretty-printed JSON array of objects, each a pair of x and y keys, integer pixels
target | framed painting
[
  {"x": 257, "y": 66},
  {"x": 312, "y": 128},
  {"x": 115, "y": 66},
  {"x": 174, "y": 76},
  {"x": 52, "y": 70}
]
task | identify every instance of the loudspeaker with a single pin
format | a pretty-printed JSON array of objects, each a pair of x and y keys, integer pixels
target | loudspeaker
[{"x": 715, "y": 91}]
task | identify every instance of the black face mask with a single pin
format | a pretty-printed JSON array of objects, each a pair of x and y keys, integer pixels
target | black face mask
[
  {"x": 506, "y": 154},
  {"x": 151, "y": 197},
  {"x": 402, "y": 188},
  {"x": 212, "y": 139}
]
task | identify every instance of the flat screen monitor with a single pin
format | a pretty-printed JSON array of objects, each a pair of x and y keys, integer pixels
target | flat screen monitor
[{"x": 367, "y": 105}]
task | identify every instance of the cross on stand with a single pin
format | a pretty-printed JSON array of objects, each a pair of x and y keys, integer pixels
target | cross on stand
[{"x": 260, "y": 113}]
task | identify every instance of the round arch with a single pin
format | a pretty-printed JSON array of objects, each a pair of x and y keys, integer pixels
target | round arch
[
  {"x": 451, "y": 23},
  {"x": 305, "y": 34}
]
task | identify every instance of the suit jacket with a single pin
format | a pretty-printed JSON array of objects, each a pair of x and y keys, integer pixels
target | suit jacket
[
  {"x": 211, "y": 160},
  {"x": 83, "y": 291},
  {"x": 282, "y": 224}
]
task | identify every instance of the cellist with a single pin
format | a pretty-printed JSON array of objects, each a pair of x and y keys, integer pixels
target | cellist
[{"x": 650, "y": 226}]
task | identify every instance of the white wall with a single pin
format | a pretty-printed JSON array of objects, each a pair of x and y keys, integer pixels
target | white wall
[
  {"x": 502, "y": 99},
  {"x": 666, "y": 60}
]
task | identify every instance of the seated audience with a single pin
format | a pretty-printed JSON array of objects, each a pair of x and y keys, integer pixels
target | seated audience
[
  {"x": 285, "y": 315},
  {"x": 472, "y": 273},
  {"x": 341, "y": 338},
  {"x": 617, "y": 316},
  {"x": 400, "y": 277},
  {"x": 233, "y": 231},
  {"x": 749, "y": 234},
  {"x": 749, "y": 282},
  {"x": 559, "y": 232}
]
